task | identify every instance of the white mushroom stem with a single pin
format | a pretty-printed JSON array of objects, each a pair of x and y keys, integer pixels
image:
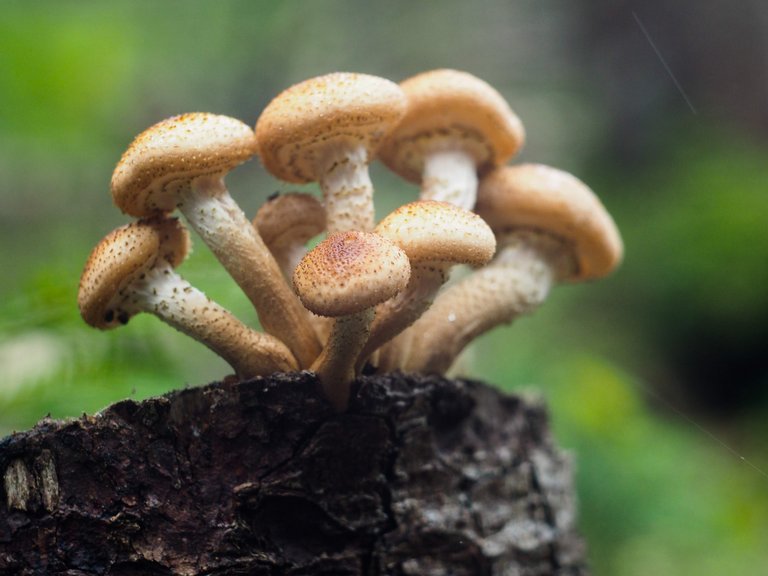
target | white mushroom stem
[
  {"x": 398, "y": 313},
  {"x": 347, "y": 189},
  {"x": 162, "y": 292},
  {"x": 335, "y": 367},
  {"x": 222, "y": 225},
  {"x": 516, "y": 282},
  {"x": 288, "y": 256},
  {"x": 450, "y": 176}
]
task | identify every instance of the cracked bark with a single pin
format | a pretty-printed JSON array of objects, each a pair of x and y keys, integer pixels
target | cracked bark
[{"x": 423, "y": 475}]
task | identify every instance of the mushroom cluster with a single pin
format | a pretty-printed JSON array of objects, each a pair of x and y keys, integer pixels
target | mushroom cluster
[{"x": 369, "y": 295}]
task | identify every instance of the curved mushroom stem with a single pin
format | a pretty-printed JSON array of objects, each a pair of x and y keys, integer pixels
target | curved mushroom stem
[
  {"x": 176, "y": 302},
  {"x": 288, "y": 257},
  {"x": 347, "y": 189},
  {"x": 450, "y": 176},
  {"x": 285, "y": 223},
  {"x": 222, "y": 225},
  {"x": 398, "y": 313},
  {"x": 335, "y": 367},
  {"x": 516, "y": 282}
]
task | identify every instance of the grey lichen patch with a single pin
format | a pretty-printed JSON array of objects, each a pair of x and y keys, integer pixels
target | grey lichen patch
[
  {"x": 48, "y": 481},
  {"x": 525, "y": 535},
  {"x": 19, "y": 485}
]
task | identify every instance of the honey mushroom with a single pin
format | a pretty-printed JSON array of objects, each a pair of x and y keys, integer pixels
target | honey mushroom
[
  {"x": 344, "y": 278},
  {"x": 550, "y": 228},
  {"x": 132, "y": 270},
  {"x": 181, "y": 163},
  {"x": 455, "y": 126},
  {"x": 435, "y": 236},
  {"x": 327, "y": 129}
]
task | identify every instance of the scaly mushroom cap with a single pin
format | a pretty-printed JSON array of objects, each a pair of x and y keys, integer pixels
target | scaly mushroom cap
[
  {"x": 431, "y": 231},
  {"x": 121, "y": 257},
  {"x": 295, "y": 130},
  {"x": 446, "y": 107},
  {"x": 350, "y": 272},
  {"x": 542, "y": 198},
  {"x": 163, "y": 160},
  {"x": 293, "y": 217}
]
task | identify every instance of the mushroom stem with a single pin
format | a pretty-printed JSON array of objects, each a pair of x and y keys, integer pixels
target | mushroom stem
[
  {"x": 450, "y": 176},
  {"x": 288, "y": 257},
  {"x": 516, "y": 282},
  {"x": 398, "y": 313},
  {"x": 347, "y": 189},
  {"x": 222, "y": 225},
  {"x": 164, "y": 293},
  {"x": 335, "y": 367}
]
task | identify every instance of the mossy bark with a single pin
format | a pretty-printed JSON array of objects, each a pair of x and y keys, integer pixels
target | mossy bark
[{"x": 422, "y": 475}]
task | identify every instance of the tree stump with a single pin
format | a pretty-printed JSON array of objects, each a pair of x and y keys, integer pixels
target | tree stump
[{"x": 423, "y": 476}]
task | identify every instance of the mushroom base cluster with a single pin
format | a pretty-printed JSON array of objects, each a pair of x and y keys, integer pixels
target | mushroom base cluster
[{"x": 370, "y": 294}]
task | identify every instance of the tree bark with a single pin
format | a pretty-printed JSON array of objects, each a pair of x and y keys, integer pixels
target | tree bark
[{"x": 422, "y": 476}]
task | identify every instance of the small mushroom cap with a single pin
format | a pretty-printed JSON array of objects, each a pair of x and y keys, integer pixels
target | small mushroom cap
[
  {"x": 294, "y": 217},
  {"x": 163, "y": 160},
  {"x": 542, "y": 198},
  {"x": 296, "y": 129},
  {"x": 350, "y": 272},
  {"x": 449, "y": 109},
  {"x": 432, "y": 231},
  {"x": 121, "y": 257}
]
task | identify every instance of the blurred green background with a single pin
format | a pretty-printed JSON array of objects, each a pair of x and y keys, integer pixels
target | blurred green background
[{"x": 656, "y": 378}]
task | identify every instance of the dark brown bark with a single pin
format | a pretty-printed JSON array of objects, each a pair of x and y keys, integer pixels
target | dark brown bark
[{"x": 422, "y": 476}]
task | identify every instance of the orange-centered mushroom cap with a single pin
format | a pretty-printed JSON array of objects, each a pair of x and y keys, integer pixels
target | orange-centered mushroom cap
[
  {"x": 163, "y": 160},
  {"x": 542, "y": 198},
  {"x": 297, "y": 129},
  {"x": 350, "y": 272},
  {"x": 449, "y": 110}
]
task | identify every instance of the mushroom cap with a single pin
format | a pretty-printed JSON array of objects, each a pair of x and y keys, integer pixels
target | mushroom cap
[
  {"x": 163, "y": 160},
  {"x": 296, "y": 130},
  {"x": 542, "y": 198},
  {"x": 432, "y": 231},
  {"x": 293, "y": 217},
  {"x": 448, "y": 109},
  {"x": 120, "y": 258},
  {"x": 350, "y": 272}
]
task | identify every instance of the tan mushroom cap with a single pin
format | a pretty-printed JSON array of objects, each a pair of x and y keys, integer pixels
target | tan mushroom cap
[
  {"x": 542, "y": 198},
  {"x": 451, "y": 105},
  {"x": 296, "y": 128},
  {"x": 121, "y": 257},
  {"x": 350, "y": 272},
  {"x": 293, "y": 217},
  {"x": 432, "y": 231},
  {"x": 163, "y": 160}
]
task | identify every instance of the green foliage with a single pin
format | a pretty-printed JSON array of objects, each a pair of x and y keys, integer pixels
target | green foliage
[
  {"x": 699, "y": 213},
  {"x": 59, "y": 79}
]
